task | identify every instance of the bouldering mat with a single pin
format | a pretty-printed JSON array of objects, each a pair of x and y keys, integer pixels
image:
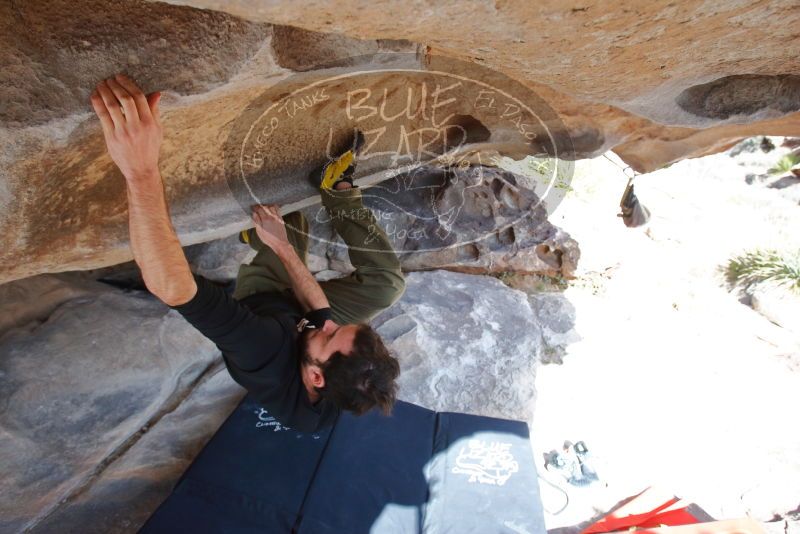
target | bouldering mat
[{"x": 415, "y": 471}]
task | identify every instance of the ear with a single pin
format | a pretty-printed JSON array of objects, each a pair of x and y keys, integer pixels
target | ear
[{"x": 317, "y": 379}]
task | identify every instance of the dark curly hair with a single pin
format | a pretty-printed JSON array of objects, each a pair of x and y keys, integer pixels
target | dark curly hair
[{"x": 363, "y": 379}]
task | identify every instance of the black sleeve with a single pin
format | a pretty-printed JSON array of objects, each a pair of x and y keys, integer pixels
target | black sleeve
[{"x": 247, "y": 340}]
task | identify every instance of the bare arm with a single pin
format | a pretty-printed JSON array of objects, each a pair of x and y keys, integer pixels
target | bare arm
[
  {"x": 155, "y": 245},
  {"x": 134, "y": 140},
  {"x": 272, "y": 232}
]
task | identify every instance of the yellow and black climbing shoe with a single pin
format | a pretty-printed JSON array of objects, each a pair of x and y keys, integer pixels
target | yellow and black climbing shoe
[
  {"x": 244, "y": 237},
  {"x": 340, "y": 168}
]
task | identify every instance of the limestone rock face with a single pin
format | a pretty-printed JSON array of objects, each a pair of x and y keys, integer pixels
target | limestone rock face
[
  {"x": 466, "y": 343},
  {"x": 77, "y": 390},
  {"x": 655, "y": 82}
]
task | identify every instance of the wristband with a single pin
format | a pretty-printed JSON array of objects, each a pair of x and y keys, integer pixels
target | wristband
[{"x": 314, "y": 319}]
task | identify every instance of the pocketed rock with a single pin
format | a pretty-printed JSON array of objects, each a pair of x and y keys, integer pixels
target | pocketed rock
[{"x": 476, "y": 220}]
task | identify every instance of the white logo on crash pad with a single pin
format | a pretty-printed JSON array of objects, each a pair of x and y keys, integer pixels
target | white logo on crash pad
[
  {"x": 486, "y": 463},
  {"x": 265, "y": 419}
]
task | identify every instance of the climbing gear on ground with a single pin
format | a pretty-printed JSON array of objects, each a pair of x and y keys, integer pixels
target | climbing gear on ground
[
  {"x": 587, "y": 469},
  {"x": 572, "y": 464},
  {"x": 567, "y": 466},
  {"x": 341, "y": 167}
]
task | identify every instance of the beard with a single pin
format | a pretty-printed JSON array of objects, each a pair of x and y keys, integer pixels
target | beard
[
  {"x": 303, "y": 353},
  {"x": 302, "y": 348},
  {"x": 304, "y": 356}
]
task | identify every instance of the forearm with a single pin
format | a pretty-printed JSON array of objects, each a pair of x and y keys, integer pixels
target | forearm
[
  {"x": 155, "y": 245},
  {"x": 306, "y": 289}
]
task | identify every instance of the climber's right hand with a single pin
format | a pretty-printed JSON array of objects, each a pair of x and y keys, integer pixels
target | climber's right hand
[
  {"x": 131, "y": 126},
  {"x": 270, "y": 227}
]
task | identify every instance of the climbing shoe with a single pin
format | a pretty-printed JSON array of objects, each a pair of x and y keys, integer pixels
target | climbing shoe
[
  {"x": 340, "y": 168},
  {"x": 244, "y": 237}
]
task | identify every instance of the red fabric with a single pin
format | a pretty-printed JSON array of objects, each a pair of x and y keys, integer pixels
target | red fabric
[{"x": 650, "y": 508}]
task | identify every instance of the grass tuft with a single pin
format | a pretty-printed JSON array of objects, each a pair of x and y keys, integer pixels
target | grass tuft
[
  {"x": 768, "y": 266},
  {"x": 785, "y": 164}
]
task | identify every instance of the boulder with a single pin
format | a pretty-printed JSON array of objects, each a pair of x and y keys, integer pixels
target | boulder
[
  {"x": 556, "y": 316},
  {"x": 466, "y": 343},
  {"x": 622, "y": 81},
  {"x": 34, "y": 299},
  {"x": 127, "y": 492},
  {"x": 219, "y": 260},
  {"x": 660, "y": 82},
  {"x": 78, "y": 389}
]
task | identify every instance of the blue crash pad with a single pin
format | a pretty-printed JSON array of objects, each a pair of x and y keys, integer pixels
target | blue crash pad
[
  {"x": 482, "y": 477},
  {"x": 416, "y": 471}
]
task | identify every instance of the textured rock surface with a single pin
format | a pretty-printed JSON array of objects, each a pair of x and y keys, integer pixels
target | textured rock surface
[
  {"x": 129, "y": 490},
  {"x": 466, "y": 343},
  {"x": 620, "y": 80},
  {"x": 479, "y": 219},
  {"x": 476, "y": 220},
  {"x": 62, "y": 200},
  {"x": 618, "y": 72},
  {"x": 76, "y": 390},
  {"x": 33, "y": 299},
  {"x": 220, "y": 259},
  {"x": 556, "y": 317}
]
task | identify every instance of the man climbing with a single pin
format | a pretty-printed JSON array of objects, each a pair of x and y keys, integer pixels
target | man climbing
[{"x": 300, "y": 348}]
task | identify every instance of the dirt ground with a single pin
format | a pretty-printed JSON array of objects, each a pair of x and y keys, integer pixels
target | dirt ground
[{"x": 675, "y": 383}]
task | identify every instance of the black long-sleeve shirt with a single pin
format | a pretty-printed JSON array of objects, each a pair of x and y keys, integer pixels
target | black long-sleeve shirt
[{"x": 258, "y": 340}]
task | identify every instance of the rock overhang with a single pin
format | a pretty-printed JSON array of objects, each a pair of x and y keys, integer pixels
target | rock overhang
[{"x": 629, "y": 78}]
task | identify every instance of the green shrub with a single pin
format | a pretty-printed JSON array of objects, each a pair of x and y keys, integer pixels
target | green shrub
[
  {"x": 785, "y": 164},
  {"x": 765, "y": 266}
]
